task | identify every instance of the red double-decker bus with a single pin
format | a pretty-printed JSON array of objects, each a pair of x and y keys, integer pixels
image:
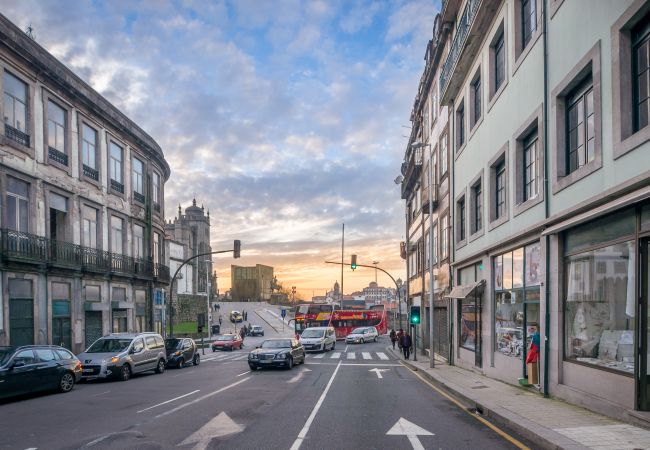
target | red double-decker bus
[{"x": 343, "y": 320}]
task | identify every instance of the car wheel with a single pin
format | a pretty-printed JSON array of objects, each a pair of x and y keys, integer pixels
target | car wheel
[
  {"x": 181, "y": 363},
  {"x": 253, "y": 367},
  {"x": 125, "y": 373},
  {"x": 376, "y": 338},
  {"x": 290, "y": 363},
  {"x": 362, "y": 341},
  {"x": 66, "y": 383},
  {"x": 160, "y": 368},
  {"x": 214, "y": 350},
  {"x": 197, "y": 359},
  {"x": 333, "y": 346},
  {"x": 303, "y": 357}
]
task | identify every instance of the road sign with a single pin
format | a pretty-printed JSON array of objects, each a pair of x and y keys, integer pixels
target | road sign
[
  {"x": 283, "y": 313},
  {"x": 378, "y": 371},
  {"x": 405, "y": 428}
]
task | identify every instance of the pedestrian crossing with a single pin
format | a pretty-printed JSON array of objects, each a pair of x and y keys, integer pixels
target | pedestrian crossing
[{"x": 334, "y": 355}]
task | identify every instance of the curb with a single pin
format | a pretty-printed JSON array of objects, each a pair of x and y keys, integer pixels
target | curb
[{"x": 533, "y": 439}]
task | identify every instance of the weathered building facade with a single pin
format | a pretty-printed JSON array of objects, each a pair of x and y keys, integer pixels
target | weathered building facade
[
  {"x": 81, "y": 207},
  {"x": 251, "y": 283}
]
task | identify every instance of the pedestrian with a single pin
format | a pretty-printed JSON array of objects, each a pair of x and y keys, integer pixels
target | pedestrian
[
  {"x": 400, "y": 333},
  {"x": 406, "y": 344},
  {"x": 220, "y": 319},
  {"x": 242, "y": 333},
  {"x": 393, "y": 337}
]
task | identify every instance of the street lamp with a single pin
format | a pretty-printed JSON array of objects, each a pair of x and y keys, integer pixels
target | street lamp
[
  {"x": 375, "y": 264},
  {"x": 208, "y": 262}
]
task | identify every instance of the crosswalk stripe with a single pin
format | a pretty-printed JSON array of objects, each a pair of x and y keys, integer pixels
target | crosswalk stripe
[
  {"x": 239, "y": 358},
  {"x": 335, "y": 355},
  {"x": 352, "y": 355},
  {"x": 319, "y": 356},
  {"x": 382, "y": 355},
  {"x": 366, "y": 355}
]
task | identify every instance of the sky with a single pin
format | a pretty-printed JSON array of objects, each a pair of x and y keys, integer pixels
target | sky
[{"x": 284, "y": 119}]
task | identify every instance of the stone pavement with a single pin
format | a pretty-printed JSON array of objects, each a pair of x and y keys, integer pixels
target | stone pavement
[{"x": 548, "y": 423}]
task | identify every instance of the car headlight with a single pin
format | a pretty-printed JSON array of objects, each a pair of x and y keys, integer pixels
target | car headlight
[
  {"x": 252, "y": 356},
  {"x": 115, "y": 359},
  {"x": 281, "y": 356},
  {"x": 177, "y": 354}
]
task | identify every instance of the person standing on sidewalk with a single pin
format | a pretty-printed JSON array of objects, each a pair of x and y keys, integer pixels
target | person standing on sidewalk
[
  {"x": 393, "y": 337},
  {"x": 406, "y": 344},
  {"x": 400, "y": 333}
]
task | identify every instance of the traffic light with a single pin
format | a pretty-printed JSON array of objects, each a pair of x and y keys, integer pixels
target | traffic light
[
  {"x": 353, "y": 265},
  {"x": 415, "y": 315},
  {"x": 237, "y": 249}
]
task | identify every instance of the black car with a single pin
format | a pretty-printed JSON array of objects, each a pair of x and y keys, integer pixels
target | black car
[
  {"x": 181, "y": 351},
  {"x": 277, "y": 353},
  {"x": 30, "y": 368}
]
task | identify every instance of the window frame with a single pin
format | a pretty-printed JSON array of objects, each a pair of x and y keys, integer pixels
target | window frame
[
  {"x": 82, "y": 122},
  {"x": 18, "y": 198},
  {"x": 494, "y": 90},
  {"x": 476, "y": 204},
  {"x": 521, "y": 48},
  {"x": 475, "y": 100},
  {"x": 135, "y": 157},
  {"x": 500, "y": 159},
  {"x": 29, "y": 108},
  {"x": 111, "y": 243},
  {"x": 49, "y": 97},
  {"x": 461, "y": 219},
  {"x": 109, "y": 155},
  {"x": 533, "y": 124},
  {"x": 459, "y": 125}
]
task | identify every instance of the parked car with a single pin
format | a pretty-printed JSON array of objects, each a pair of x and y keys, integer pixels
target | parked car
[
  {"x": 121, "y": 355},
  {"x": 277, "y": 353},
  {"x": 362, "y": 335},
  {"x": 236, "y": 317},
  {"x": 181, "y": 351},
  {"x": 30, "y": 368},
  {"x": 227, "y": 342},
  {"x": 256, "y": 330},
  {"x": 319, "y": 339}
]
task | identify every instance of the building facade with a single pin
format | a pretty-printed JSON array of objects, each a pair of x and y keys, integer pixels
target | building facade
[
  {"x": 550, "y": 187},
  {"x": 251, "y": 283},
  {"x": 81, "y": 207}
]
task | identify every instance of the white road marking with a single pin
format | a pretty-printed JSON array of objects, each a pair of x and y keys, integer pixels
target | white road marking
[
  {"x": 378, "y": 372},
  {"x": 346, "y": 348},
  {"x": 96, "y": 395},
  {"x": 405, "y": 428},
  {"x": 218, "y": 391},
  {"x": 299, "y": 376},
  {"x": 240, "y": 358},
  {"x": 168, "y": 401},
  {"x": 305, "y": 429},
  {"x": 352, "y": 355},
  {"x": 222, "y": 425},
  {"x": 370, "y": 364},
  {"x": 335, "y": 355},
  {"x": 320, "y": 355},
  {"x": 248, "y": 371},
  {"x": 382, "y": 355},
  {"x": 366, "y": 355}
]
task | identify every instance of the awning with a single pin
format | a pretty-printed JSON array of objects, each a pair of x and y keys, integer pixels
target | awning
[{"x": 465, "y": 290}]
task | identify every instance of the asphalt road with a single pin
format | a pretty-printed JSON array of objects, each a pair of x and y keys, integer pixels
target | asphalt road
[{"x": 356, "y": 397}]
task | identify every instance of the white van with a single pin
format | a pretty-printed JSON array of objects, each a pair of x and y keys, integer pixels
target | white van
[{"x": 318, "y": 339}]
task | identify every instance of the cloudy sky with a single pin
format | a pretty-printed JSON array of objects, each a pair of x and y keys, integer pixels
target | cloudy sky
[{"x": 284, "y": 118}]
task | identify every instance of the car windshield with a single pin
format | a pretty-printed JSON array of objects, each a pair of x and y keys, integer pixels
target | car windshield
[
  {"x": 312, "y": 333},
  {"x": 358, "y": 331},
  {"x": 5, "y": 354},
  {"x": 257, "y": 327},
  {"x": 284, "y": 343},
  {"x": 226, "y": 338},
  {"x": 171, "y": 344},
  {"x": 109, "y": 346}
]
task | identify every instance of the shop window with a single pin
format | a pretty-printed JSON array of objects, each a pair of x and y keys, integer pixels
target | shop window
[{"x": 599, "y": 306}]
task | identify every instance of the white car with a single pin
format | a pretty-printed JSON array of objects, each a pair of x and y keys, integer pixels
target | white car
[{"x": 362, "y": 335}]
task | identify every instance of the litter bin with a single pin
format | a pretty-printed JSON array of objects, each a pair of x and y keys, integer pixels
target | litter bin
[{"x": 216, "y": 329}]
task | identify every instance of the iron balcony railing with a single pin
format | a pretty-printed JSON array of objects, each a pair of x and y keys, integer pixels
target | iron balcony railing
[
  {"x": 117, "y": 186},
  {"x": 91, "y": 173},
  {"x": 29, "y": 248},
  {"x": 462, "y": 31},
  {"x": 138, "y": 196},
  {"x": 16, "y": 135},
  {"x": 57, "y": 156}
]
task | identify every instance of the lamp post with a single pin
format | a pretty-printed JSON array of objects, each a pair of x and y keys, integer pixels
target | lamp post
[
  {"x": 207, "y": 294},
  {"x": 375, "y": 264},
  {"x": 432, "y": 358}
]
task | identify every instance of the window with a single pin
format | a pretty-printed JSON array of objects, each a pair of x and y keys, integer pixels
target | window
[
  {"x": 500, "y": 194},
  {"x": 89, "y": 152},
  {"x": 156, "y": 191},
  {"x": 55, "y": 127},
  {"x": 580, "y": 127},
  {"x": 460, "y": 125},
  {"x": 434, "y": 104},
  {"x": 434, "y": 243},
  {"x": 530, "y": 169},
  {"x": 156, "y": 248},
  {"x": 460, "y": 219},
  {"x": 93, "y": 293},
  {"x": 116, "y": 167},
  {"x": 117, "y": 235},
  {"x": 15, "y": 109},
  {"x": 444, "y": 239},
  {"x": 138, "y": 179},
  {"x": 443, "y": 155},
  {"x": 17, "y": 205},
  {"x": 641, "y": 73},
  {"x": 475, "y": 99},
  {"x": 89, "y": 225},
  {"x": 528, "y": 21},
  {"x": 499, "y": 62},
  {"x": 477, "y": 207},
  {"x": 138, "y": 241},
  {"x": 427, "y": 249}
]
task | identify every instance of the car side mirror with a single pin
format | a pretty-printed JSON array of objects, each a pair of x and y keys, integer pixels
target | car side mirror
[{"x": 18, "y": 364}]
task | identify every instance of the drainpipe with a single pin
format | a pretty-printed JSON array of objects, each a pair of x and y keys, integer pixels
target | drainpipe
[
  {"x": 451, "y": 167},
  {"x": 547, "y": 292}
]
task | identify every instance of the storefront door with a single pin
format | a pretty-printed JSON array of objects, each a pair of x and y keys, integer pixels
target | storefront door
[{"x": 643, "y": 364}]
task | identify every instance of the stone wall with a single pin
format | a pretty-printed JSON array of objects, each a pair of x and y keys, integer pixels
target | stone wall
[{"x": 188, "y": 307}]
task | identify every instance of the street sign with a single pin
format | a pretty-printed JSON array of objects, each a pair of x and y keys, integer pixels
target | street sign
[
  {"x": 283, "y": 313},
  {"x": 405, "y": 428}
]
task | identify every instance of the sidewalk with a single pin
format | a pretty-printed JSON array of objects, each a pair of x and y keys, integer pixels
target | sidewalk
[{"x": 549, "y": 423}]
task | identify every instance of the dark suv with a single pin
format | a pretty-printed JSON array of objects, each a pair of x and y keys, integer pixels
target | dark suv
[
  {"x": 181, "y": 351},
  {"x": 30, "y": 368}
]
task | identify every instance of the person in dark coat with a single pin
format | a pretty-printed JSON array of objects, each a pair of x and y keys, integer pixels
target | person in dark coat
[
  {"x": 393, "y": 337},
  {"x": 406, "y": 343}
]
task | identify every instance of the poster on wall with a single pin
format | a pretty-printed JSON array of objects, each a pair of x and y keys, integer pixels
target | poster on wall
[
  {"x": 533, "y": 258},
  {"x": 498, "y": 273}
]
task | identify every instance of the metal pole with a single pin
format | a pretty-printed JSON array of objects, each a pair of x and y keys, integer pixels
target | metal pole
[
  {"x": 415, "y": 343},
  {"x": 342, "y": 253},
  {"x": 207, "y": 296},
  {"x": 431, "y": 284}
]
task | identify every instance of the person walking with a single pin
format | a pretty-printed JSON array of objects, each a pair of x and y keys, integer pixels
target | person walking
[
  {"x": 400, "y": 333},
  {"x": 406, "y": 343},
  {"x": 393, "y": 337}
]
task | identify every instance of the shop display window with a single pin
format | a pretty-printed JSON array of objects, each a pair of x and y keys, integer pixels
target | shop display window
[
  {"x": 516, "y": 280},
  {"x": 599, "y": 307}
]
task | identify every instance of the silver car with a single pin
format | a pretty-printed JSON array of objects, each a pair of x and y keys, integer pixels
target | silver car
[
  {"x": 318, "y": 339},
  {"x": 120, "y": 355},
  {"x": 362, "y": 335}
]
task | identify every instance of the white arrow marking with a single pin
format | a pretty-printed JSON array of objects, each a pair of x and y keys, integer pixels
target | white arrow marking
[
  {"x": 299, "y": 376},
  {"x": 378, "y": 371},
  {"x": 405, "y": 428},
  {"x": 221, "y": 425}
]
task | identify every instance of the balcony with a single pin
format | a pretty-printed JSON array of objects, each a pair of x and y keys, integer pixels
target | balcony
[
  {"x": 429, "y": 207},
  {"x": 471, "y": 30},
  {"x": 57, "y": 156},
  {"x": 411, "y": 170},
  {"x": 117, "y": 186},
  {"x": 91, "y": 173},
  {"x": 31, "y": 249},
  {"x": 138, "y": 196},
  {"x": 16, "y": 135}
]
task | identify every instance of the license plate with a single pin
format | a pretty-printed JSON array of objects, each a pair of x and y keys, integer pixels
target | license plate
[
  {"x": 265, "y": 361},
  {"x": 88, "y": 371}
]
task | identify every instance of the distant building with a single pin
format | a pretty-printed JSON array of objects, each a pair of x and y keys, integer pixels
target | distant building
[
  {"x": 377, "y": 294},
  {"x": 251, "y": 283}
]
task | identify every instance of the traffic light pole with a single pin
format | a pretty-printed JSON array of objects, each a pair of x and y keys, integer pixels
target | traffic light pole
[{"x": 235, "y": 251}]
